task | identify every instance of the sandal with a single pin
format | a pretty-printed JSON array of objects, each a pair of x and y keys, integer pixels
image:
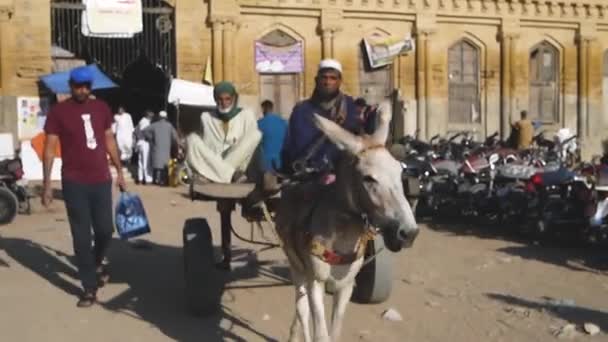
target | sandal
[{"x": 88, "y": 298}]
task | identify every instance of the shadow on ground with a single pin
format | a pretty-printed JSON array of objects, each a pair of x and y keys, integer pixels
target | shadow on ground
[
  {"x": 155, "y": 279},
  {"x": 572, "y": 314},
  {"x": 565, "y": 251}
]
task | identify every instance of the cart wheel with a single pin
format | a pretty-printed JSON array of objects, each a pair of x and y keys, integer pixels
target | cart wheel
[
  {"x": 9, "y": 205},
  {"x": 375, "y": 281},
  {"x": 204, "y": 284}
]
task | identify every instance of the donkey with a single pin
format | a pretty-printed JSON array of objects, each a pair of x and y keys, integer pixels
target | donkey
[{"x": 325, "y": 237}]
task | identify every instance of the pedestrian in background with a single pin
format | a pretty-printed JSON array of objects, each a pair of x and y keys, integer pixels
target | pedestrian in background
[
  {"x": 161, "y": 136},
  {"x": 144, "y": 169}
]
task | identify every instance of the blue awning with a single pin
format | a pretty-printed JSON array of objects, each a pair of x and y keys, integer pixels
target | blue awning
[{"x": 58, "y": 82}]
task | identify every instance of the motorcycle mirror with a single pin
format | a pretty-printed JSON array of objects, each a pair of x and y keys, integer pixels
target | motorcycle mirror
[{"x": 494, "y": 158}]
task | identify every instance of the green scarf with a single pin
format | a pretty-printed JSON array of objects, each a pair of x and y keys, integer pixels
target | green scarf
[{"x": 227, "y": 88}]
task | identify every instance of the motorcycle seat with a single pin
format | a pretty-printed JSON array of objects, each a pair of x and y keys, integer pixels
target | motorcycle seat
[{"x": 560, "y": 176}]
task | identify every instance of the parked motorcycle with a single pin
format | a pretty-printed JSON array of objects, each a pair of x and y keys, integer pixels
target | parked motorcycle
[{"x": 14, "y": 195}]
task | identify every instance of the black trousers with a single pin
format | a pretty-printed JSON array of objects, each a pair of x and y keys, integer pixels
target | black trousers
[{"x": 89, "y": 206}]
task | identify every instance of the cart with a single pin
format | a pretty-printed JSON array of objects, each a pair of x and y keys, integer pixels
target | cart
[{"x": 204, "y": 282}]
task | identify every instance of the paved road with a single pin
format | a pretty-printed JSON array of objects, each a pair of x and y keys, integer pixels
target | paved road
[{"x": 454, "y": 285}]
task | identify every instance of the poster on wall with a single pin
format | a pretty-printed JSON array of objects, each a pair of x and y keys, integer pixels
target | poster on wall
[
  {"x": 382, "y": 50},
  {"x": 32, "y": 116},
  {"x": 279, "y": 60}
]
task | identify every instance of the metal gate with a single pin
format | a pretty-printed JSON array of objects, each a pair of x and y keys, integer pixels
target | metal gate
[{"x": 156, "y": 43}]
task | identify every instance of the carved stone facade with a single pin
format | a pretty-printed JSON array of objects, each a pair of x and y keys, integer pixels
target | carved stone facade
[
  {"x": 540, "y": 56},
  {"x": 546, "y": 57}
]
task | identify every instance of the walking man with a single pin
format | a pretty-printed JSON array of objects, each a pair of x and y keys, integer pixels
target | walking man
[
  {"x": 161, "y": 136},
  {"x": 144, "y": 171},
  {"x": 273, "y": 128},
  {"x": 83, "y": 127},
  {"x": 124, "y": 134}
]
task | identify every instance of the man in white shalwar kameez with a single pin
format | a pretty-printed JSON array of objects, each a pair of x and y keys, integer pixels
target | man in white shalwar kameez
[
  {"x": 223, "y": 150},
  {"x": 144, "y": 169},
  {"x": 124, "y": 134}
]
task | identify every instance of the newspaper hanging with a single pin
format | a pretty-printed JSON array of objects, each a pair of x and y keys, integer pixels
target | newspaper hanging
[
  {"x": 382, "y": 50},
  {"x": 112, "y": 18},
  {"x": 278, "y": 60}
]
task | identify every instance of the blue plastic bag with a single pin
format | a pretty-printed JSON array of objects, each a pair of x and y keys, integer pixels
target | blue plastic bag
[{"x": 131, "y": 219}]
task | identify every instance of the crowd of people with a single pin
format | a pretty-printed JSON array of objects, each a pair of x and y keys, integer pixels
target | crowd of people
[{"x": 232, "y": 146}]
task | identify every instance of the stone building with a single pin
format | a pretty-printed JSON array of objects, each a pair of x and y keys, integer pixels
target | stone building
[{"x": 476, "y": 63}]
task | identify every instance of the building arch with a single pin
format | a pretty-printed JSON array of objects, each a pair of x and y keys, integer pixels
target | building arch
[
  {"x": 281, "y": 86},
  {"x": 283, "y": 28}
]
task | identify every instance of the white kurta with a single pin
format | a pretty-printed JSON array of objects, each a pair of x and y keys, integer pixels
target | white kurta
[
  {"x": 124, "y": 135},
  {"x": 216, "y": 155},
  {"x": 144, "y": 169}
]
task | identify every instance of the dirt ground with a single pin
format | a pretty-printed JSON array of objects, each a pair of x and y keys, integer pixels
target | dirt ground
[{"x": 455, "y": 284}]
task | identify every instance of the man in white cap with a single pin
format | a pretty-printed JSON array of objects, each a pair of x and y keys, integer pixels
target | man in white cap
[
  {"x": 305, "y": 145},
  {"x": 161, "y": 136},
  {"x": 327, "y": 100}
]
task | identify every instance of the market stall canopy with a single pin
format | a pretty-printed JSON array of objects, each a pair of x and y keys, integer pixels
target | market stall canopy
[
  {"x": 191, "y": 94},
  {"x": 58, "y": 82}
]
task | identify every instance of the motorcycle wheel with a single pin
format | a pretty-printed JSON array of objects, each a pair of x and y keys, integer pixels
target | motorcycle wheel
[{"x": 9, "y": 206}]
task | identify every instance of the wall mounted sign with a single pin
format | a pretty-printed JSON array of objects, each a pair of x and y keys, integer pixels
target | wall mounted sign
[
  {"x": 382, "y": 50},
  {"x": 279, "y": 60}
]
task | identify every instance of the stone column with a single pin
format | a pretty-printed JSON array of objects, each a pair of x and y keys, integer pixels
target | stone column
[
  {"x": 423, "y": 80},
  {"x": 584, "y": 42},
  {"x": 218, "y": 28},
  {"x": 228, "y": 45},
  {"x": 508, "y": 84},
  {"x": 327, "y": 42}
]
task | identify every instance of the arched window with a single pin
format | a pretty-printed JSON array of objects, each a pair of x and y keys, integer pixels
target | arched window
[
  {"x": 280, "y": 87},
  {"x": 463, "y": 83},
  {"x": 544, "y": 85}
]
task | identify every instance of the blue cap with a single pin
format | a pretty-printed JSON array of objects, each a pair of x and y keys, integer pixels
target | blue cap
[{"x": 81, "y": 75}]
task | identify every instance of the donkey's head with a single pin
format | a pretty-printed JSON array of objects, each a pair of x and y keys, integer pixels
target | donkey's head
[{"x": 371, "y": 181}]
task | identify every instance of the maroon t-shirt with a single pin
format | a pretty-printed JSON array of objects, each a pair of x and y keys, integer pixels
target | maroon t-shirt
[{"x": 81, "y": 129}]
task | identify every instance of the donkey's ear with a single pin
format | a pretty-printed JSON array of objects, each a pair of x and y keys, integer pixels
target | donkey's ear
[
  {"x": 383, "y": 123},
  {"x": 342, "y": 138}
]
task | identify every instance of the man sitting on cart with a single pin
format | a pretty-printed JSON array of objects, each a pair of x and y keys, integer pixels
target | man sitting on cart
[{"x": 222, "y": 150}]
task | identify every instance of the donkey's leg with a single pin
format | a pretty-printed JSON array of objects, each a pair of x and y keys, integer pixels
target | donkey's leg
[
  {"x": 341, "y": 299},
  {"x": 302, "y": 318},
  {"x": 316, "y": 292}
]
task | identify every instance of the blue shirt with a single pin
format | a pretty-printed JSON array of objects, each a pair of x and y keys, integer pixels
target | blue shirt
[
  {"x": 273, "y": 129},
  {"x": 302, "y": 134}
]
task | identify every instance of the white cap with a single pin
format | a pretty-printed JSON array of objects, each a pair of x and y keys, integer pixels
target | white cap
[
  {"x": 162, "y": 114},
  {"x": 330, "y": 64}
]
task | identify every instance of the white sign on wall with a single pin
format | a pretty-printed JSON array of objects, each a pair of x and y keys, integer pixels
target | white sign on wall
[{"x": 31, "y": 113}]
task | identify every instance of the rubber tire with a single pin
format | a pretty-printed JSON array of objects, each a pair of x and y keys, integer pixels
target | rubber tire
[
  {"x": 374, "y": 282},
  {"x": 11, "y": 202},
  {"x": 204, "y": 283}
]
